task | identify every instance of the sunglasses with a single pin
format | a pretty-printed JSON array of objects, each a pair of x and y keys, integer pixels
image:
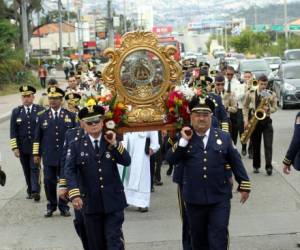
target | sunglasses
[
  {"x": 93, "y": 122},
  {"x": 220, "y": 83},
  {"x": 229, "y": 74}
]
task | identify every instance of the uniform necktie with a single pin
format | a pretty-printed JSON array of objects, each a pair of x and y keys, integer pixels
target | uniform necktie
[
  {"x": 96, "y": 146},
  {"x": 202, "y": 142},
  {"x": 55, "y": 115},
  {"x": 229, "y": 86},
  {"x": 28, "y": 111}
]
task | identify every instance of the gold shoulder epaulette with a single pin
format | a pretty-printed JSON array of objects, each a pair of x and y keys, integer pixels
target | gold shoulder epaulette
[{"x": 41, "y": 112}]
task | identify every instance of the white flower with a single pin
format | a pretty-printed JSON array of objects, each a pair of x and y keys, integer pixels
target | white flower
[
  {"x": 110, "y": 124},
  {"x": 187, "y": 92}
]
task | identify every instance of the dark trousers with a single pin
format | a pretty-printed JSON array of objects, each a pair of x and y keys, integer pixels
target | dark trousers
[
  {"x": 209, "y": 223},
  {"x": 237, "y": 126},
  {"x": 66, "y": 71},
  {"x": 31, "y": 173},
  {"x": 104, "y": 231},
  {"x": 186, "y": 234},
  {"x": 263, "y": 128},
  {"x": 155, "y": 167},
  {"x": 80, "y": 228},
  {"x": 43, "y": 81},
  {"x": 51, "y": 174}
]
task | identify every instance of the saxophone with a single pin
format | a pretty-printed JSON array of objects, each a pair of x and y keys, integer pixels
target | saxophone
[{"x": 259, "y": 115}]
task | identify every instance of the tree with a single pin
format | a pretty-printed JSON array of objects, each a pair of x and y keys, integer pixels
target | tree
[
  {"x": 52, "y": 16},
  {"x": 8, "y": 36}
]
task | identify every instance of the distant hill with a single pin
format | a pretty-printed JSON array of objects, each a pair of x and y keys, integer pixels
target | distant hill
[{"x": 271, "y": 14}]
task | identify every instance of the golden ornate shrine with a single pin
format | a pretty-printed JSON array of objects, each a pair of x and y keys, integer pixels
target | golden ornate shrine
[{"x": 142, "y": 73}]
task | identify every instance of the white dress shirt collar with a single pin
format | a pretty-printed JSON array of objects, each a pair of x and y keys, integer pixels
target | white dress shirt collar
[
  {"x": 205, "y": 138},
  {"x": 93, "y": 139},
  {"x": 53, "y": 112}
]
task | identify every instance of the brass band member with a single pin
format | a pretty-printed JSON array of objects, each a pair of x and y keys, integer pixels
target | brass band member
[
  {"x": 264, "y": 127},
  {"x": 228, "y": 98},
  {"x": 233, "y": 85}
]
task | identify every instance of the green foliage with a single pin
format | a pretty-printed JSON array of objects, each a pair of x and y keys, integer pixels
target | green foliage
[
  {"x": 262, "y": 43},
  {"x": 53, "y": 16}
]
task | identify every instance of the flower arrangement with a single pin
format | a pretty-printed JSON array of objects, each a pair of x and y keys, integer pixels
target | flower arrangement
[
  {"x": 116, "y": 112},
  {"x": 177, "y": 109}
]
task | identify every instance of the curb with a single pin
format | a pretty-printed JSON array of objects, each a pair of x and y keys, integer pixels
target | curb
[{"x": 5, "y": 117}]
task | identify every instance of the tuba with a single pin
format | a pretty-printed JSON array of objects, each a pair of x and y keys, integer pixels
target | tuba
[{"x": 259, "y": 115}]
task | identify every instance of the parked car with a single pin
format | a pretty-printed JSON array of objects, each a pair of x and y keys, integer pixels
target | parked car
[
  {"x": 292, "y": 55},
  {"x": 287, "y": 84},
  {"x": 273, "y": 62},
  {"x": 256, "y": 66}
]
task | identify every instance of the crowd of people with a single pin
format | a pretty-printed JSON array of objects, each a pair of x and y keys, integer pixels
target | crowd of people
[{"x": 87, "y": 163}]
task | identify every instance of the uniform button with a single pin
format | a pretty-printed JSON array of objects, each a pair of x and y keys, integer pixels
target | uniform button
[
  {"x": 102, "y": 186},
  {"x": 56, "y": 133},
  {"x": 57, "y": 146},
  {"x": 29, "y": 132},
  {"x": 28, "y": 122},
  {"x": 28, "y": 127},
  {"x": 101, "y": 178},
  {"x": 99, "y": 161},
  {"x": 205, "y": 152},
  {"x": 204, "y": 168},
  {"x": 82, "y": 163},
  {"x": 56, "y": 127},
  {"x": 100, "y": 170},
  {"x": 57, "y": 140},
  {"x": 205, "y": 160},
  {"x": 205, "y": 176},
  {"x": 29, "y": 137}
]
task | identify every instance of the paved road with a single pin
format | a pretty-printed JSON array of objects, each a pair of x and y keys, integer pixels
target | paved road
[{"x": 270, "y": 220}]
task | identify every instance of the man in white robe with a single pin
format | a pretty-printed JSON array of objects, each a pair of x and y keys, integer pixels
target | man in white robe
[{"x": 137, "y": 180}]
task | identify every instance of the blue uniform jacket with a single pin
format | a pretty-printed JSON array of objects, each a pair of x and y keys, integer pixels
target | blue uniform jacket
[
  {"x": 220, "y": 112},
  {"x": 178, "y": 171},
  {"x": 22, "y": 128},
  {"x": 49, "y": 135},
  {"x": 71, "y": 135},
  {"x": 96, "y": 179},
  {"x": 205, "y": 171},
  {"x": 293, "y": 154}
]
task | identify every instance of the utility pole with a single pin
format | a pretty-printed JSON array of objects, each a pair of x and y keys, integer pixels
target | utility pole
[
  {"x": 226, "y": 39},
  {"x": 286, "y": 28},
  {"x": 61, "y": 49},
  {"x": 69, "y": 34},
  {"x": 25, "y": 31},
  {"x": 255, "y": 16},
  {"x": 39, "y": 34},
  {"x": 125, "y": 24},
  {"x": 110, "y": 25}
]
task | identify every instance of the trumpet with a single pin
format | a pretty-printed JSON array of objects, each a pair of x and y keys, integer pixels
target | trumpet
[
  {"x": 213, "y": 73},
  {"x": 253, "y": 85}
]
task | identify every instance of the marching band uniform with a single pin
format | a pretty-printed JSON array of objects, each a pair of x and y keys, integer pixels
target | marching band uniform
[{"x": 264, "y": 128}]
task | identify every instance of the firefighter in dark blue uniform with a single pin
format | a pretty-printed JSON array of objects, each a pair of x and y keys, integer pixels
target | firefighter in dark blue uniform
[
  {"x": 94, "y": 182},
  {"x": 48, "y": 143},
  {"x": 292, "y": 156},
  {"x": 22, "y": 126},
  {"x": 71, "y": 136},
  {"x": 205, "y": 155}
]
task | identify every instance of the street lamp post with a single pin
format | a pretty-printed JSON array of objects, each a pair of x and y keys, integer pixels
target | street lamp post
[{"x": 286, "y": 25}]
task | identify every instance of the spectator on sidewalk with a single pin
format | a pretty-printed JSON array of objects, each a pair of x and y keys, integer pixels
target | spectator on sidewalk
[{"x": 42, "y": 73}]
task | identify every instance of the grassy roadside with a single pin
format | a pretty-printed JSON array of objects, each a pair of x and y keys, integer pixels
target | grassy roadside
[{"x": 13, "y": 88}]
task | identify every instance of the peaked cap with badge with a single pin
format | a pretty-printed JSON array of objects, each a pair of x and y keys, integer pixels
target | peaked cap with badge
[
  {"x": 27, "y": 90},
  {"x": 91, "y": 113},
  {"x": 55, "y": 92},
  {"x": 201, "y": 104}
]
